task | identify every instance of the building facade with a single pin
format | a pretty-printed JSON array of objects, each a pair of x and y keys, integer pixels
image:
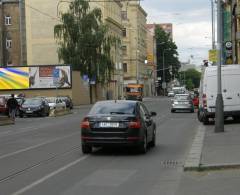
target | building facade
[
  {"x": 12, "y": 49},
  {"x": 134, "y": 42},
  {"x": 151, "y": 64},
  {"x": 167, "y": 27}
]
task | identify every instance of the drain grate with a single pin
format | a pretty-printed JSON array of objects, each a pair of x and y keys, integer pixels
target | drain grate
[{"x": 171, "y": 163}]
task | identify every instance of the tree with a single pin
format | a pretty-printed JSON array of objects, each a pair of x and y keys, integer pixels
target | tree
[
  {"x": 191, "y": 78},
  {"x": 166, "y": 46},
  {"x": 84, "y": 42}
]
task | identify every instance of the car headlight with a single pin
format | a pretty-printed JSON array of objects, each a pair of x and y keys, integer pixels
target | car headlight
[{"x": 175, "y": 102}]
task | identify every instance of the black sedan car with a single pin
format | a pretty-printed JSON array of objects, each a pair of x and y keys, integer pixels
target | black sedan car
[
  {"x": 118, "y": 123},
  {"x": 34, "y": 107}
]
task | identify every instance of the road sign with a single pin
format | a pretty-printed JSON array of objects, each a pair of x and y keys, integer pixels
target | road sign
[
  {"x": 56, "y": 76},
  {"x": 212, "y": 55}
]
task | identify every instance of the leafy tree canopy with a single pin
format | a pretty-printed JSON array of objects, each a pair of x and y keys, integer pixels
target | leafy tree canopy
[
  {"x": 84, "y": 41},
  {"x": 166, "y": 47},
  {"x": 192, "y": 78}
]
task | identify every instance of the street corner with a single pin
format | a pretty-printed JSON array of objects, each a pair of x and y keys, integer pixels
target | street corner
[
  {"x": 5, "y": 120},
  {"x": 193, "y": 160}
]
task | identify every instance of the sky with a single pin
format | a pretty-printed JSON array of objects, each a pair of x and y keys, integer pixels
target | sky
[{"x": 192, "y": 27}]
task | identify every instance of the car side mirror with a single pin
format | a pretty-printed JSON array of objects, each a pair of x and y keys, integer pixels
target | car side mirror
[{"x": 153, "y": 113}]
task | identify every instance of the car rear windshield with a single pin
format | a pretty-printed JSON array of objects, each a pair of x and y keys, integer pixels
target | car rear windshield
[
  {"x": 32, "y": 102},
  {"x": 113, "y": 108},
  {"x": 182, "y": 97}
]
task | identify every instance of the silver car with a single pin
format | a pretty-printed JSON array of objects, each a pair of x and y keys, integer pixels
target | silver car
[{"x": 182, "y": 102}]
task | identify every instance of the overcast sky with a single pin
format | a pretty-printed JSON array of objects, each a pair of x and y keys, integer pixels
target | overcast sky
[{"x": 191, "y": 21}]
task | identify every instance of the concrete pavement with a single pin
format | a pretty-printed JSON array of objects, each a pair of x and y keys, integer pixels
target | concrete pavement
[{"x": 214, "y": 151}]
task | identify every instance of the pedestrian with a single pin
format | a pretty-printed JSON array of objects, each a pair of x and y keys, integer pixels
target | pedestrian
[{"x": 12, "y": 107}]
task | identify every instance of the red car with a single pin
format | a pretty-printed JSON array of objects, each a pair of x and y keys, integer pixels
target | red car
[
  {"x": 196, "y": 101},
  {"x": 3, "y": 105}
]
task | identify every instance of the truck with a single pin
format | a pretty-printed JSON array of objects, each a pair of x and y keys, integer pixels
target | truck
[
  {"x": 134, "y": 92},
  {"x": 230, "y": 92}
]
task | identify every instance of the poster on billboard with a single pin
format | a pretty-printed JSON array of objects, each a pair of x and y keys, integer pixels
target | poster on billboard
[
  {"x": 35, "y": 77},
  {"x": 14, "y": 78},
  {"x": 49, "y": 77}
]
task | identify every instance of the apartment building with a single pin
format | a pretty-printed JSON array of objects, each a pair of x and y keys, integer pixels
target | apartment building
[
  {"x": 134, "y": 42},
  {"x": 151, "y": 64},
  {"x": 12, "y": 48},
  {"x": 167, "y": 27}
]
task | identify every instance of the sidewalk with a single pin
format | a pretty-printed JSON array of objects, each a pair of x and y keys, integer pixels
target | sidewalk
[{"x": 212, "y": 151}]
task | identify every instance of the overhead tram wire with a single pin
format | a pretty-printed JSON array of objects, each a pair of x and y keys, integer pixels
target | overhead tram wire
[{"x": 56, "y": 18}]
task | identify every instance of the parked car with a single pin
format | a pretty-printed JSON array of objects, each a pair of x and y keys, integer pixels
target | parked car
[
  {"x": 182, "y": 102},
  {"x": 195, "y": 101},
  {"x": 230, "y": 92},
  {"x": 56, "y": 103},
  {"x": 171, "y": 94},
  {"x": 20, "y": 101},
  {"x": 118, "y": 123},
  {"x": 34, "y": 107},
  {"x": 67, "y": 100},
  {"x": 3, "y": 104}
]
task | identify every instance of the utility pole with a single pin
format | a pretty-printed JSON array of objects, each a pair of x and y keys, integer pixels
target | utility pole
[
  {"x": 213, "y": 24},
  {"x": 219, "y": 122},
  {"x": 164, "y": 80}
]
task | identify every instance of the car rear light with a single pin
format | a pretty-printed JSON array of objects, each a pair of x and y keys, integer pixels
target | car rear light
[
  {"x": 85, "y": 124},
  {"x": 204, "y": 97},
  {"x": 135, "y": 124}
]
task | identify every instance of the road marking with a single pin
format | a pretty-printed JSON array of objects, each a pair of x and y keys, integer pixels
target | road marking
[
  {"x": 36, "y": 146},
  {"x": 43, "y": 179}
]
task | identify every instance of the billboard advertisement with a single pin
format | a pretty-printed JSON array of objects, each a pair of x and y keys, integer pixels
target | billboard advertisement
[
  {"x": 35, "y": 77},
  {"x": 14, "y": 78}
]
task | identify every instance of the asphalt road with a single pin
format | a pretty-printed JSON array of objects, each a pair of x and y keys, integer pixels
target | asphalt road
[{"x": 43, "y": 156}]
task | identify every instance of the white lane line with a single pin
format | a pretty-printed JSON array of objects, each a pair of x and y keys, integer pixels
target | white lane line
[
  {"x": 43, "y": 179},
  {"x": 38, "y": 145},
  {"x": 25, "y": 130}
]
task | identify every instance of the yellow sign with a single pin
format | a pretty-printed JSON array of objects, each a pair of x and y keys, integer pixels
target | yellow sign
[
  {"x": 150, "y": 58},
  {"x": 213, "y": 55}
]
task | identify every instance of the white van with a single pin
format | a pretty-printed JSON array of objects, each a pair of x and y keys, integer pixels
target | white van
[{"x": 230, "y": 92}]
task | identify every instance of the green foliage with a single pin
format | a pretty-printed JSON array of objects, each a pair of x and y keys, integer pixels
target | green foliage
[
  {"x": 84, "y": 41},
  {"x": 166, "y": 46},
  {"x": 192, "y": 78}
]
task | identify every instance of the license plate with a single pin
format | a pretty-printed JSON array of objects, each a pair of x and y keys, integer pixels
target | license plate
[
  {"x": 106, "y": 125},
  {"x": 28, "y": 111}
]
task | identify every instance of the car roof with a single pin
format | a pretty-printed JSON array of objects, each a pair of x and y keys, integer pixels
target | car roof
[{"x": 117, "y": 101}]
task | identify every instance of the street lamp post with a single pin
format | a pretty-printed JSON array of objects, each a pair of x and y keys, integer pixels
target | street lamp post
[
  {"x": 219, "y": 122},
  {"x": 164, "y": 81}
]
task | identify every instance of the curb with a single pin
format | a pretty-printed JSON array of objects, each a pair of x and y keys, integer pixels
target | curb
[
  {"x": 55, "y": 113},
  {"x": 5, "y": 120},
  {"x": 215, "y": 167},
  {"x": 193, "y": 161}
]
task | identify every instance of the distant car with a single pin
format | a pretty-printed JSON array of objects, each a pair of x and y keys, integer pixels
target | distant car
[
  {"x": 67, "y": 100},
  {"x": 34, "y": 107},
  {"x": 182, "y": 102},
  {"x": 171, "y": 94},
  {"x": 55, "y": 103},
  {"x": 118, "y": 123}
]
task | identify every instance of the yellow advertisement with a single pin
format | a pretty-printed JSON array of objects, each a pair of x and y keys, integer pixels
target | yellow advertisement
[
  {"x": 212, "y": 55},
  {"x": 14, "y": 78}
]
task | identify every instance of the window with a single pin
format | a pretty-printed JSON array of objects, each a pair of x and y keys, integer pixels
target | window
[
  {"x": 124, "y": 67},
  {"x": 124, "y": 15},
  {"x": 124, "y": 49},
  {"x": 8, "y": 43},
  {"x": 8, "y": 20},
  {"x": 124, "y": 32}
]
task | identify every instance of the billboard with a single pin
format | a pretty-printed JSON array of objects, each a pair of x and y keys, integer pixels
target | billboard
[
  {"x": 14, "y": 78},
  {"x": 35, "y": 77}
]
